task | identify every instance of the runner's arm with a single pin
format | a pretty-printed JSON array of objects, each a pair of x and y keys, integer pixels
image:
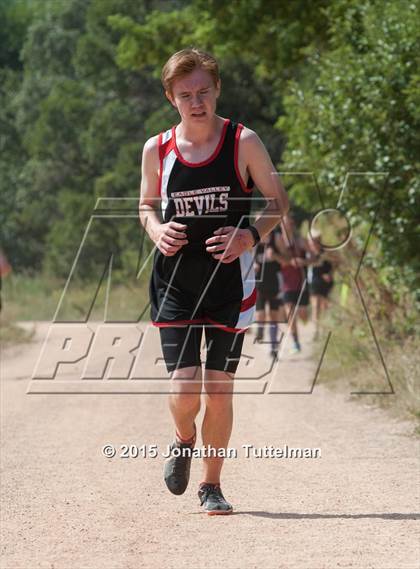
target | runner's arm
[
  {"x": 282, "y": 255},
  {"x": 168, "y": 237},
  {"x": 149, "y": 204},
  {"x": 260, "y": 167}
]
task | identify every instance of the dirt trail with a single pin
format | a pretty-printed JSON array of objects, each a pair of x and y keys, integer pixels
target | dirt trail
[{"x": 66, "y": 506}]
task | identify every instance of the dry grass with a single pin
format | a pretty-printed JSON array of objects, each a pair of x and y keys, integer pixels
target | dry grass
[
  {"x": 11, "y": 333},
  {"x": 38, "y": 298},
  {"x": 354, "y": 363}
]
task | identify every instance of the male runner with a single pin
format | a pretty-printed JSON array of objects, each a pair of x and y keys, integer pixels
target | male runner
[
  {"x": 199, "y": 174},
  {"x": 268, "y": 282},
  {"x": 320, "y": 278}
]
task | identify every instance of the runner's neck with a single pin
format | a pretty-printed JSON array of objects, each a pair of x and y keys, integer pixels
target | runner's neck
[{"x": 200, "y": 134}]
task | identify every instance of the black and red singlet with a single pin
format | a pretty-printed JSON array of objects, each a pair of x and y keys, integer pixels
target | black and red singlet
[{"x": 191, "y": 286}]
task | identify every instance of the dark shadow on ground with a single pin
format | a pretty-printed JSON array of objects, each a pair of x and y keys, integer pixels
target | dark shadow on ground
[{"x": 293, "y": 516}]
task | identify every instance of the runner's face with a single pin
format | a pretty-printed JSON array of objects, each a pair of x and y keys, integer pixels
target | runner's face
[{"x": 195, "y": 96}]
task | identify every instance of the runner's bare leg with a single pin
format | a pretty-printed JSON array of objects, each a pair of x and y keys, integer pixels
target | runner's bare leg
[
  {"x": 218, "y": 419},
  {"x": 184, "y": 400}
]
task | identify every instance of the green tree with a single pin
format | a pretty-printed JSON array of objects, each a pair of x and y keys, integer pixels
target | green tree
[
  {"x": 82, "y": 119},
  {"x": 357, "y": 109},
  {"x": 15, "y": 17}
]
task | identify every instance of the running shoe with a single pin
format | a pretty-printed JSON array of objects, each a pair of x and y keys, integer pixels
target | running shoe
[
  {"x": 212, "y": 499},
  {"x": 259, "y": 337},
  {"x": 296, "y": 348},
  {"x": 177, "y": 468}
]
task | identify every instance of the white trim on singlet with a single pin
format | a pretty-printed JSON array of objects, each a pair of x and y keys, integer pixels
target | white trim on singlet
[
  {"x": 167, "y": 165},
  {"x": 246, "y": 318}
]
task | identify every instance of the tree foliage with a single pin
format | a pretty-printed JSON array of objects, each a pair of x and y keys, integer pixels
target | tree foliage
[
  {"x": 330, "y": 87},
  {"x": 357, "y": 110}
]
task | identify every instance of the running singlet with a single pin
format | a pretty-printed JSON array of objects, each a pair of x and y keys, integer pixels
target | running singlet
[
  {"x": 192, "y": 286},
  {"x": 321, "y": 267},
  {"x": 315, "y": 276},
  {"x": 267, "y": 275},
  {"x": 293, "y": 277}
]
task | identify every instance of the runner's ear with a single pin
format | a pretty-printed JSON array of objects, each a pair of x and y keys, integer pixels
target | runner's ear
[{"x": 170, "y": 98}]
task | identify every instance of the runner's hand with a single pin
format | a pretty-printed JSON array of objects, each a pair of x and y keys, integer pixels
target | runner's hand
[
  {"x": 229, "y": 243},
  {"x": 170, "y": 237}
]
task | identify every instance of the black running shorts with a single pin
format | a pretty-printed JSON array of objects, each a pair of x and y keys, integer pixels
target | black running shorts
[
  {"x": 181, "y": 347},
  {"x": 272, "y": 300},
  {"x": 197, "y": 289},
  {"x": 292, "y": 297},
  {"x": 321, "y": 288}
]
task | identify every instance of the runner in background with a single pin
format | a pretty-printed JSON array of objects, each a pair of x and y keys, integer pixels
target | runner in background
[
  {"x": 320, "y": 279},
  {"x": 268, "y": 284},
  {"x": 5, "y": 269},
  {"x": 295, "y": 258}
]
